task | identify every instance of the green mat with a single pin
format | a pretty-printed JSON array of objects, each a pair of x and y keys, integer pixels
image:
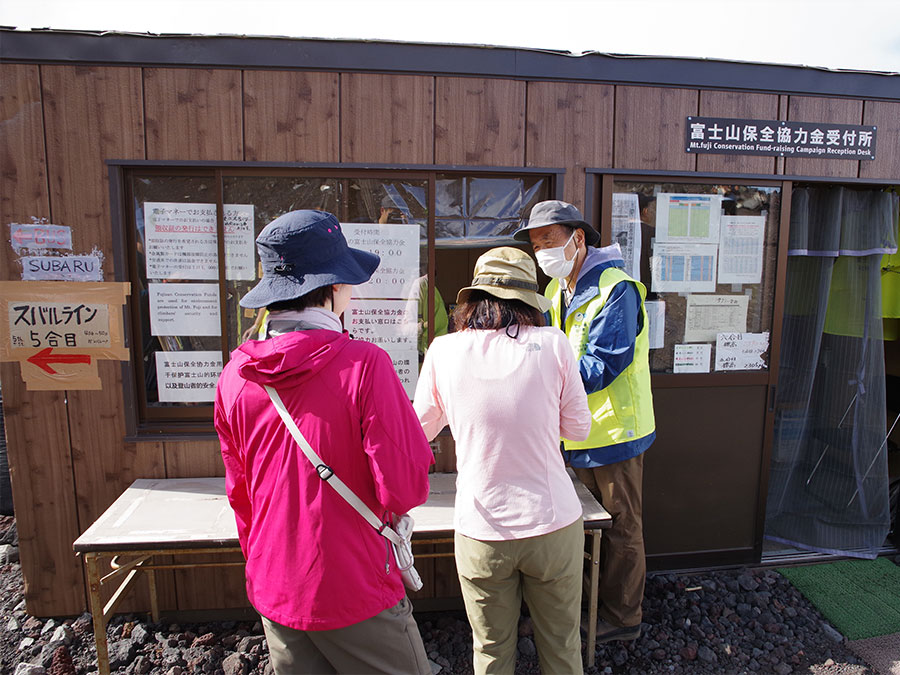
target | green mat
[{"x": 861, "y": 598}]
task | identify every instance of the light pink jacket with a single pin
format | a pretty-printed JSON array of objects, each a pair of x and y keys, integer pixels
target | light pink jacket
[
  {"x": 313, "y": 563},
  {"x": 507, "y": 401}
]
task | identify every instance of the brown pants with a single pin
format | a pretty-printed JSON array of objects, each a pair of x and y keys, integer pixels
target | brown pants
[
  {"x": 389, "y": 642},
  {"x": 623, "y": 567}
]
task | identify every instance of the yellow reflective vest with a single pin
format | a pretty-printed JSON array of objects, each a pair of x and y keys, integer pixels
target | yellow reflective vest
[{"x": 623, "y": 411}]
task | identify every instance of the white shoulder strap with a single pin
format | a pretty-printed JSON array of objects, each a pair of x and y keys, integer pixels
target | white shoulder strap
[{"x": 325, "y": 472}]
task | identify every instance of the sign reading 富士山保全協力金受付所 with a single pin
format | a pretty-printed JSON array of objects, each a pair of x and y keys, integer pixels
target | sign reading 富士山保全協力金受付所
[{"x": 779, "y": 138}]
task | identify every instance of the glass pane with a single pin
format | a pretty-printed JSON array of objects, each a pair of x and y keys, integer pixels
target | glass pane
[
  {"x": 177, "y": 288},
  {"x": 256, "y": 201},
  {"x": 707, "y": 255}
]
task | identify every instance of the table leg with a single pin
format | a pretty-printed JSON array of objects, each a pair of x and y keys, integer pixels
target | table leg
[
  {"x": 592, "y": 597},
  {"x": 92, "y": 560},
  {"x": 154, "y": 600}
]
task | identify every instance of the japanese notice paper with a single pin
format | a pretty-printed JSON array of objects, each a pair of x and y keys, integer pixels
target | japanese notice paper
[
  {"x": 741, "y": 351},
  {"x": 741, "y": 249},
  {"x": 692, "y": 358},
  {"x": 188, "y": 376},
  {"x": 626, "y": 231},
  {"x": 709, "y": 315}
]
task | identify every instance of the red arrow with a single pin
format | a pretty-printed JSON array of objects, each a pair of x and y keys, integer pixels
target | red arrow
[
  {"x": 22, "y": 235},
  {"x": 45, "y": 357}
]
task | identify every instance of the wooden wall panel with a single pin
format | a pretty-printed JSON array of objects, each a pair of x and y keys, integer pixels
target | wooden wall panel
[
  {"x": 570, "y": 126},
  {"x": 479, "y": 121},
  {"x": 193, "y": 459},
  {"x": 836, "y": 110},
  {"x": 650, "y": 128},
  {"x": 886, "y": 116},
  {"x": 291, "y": 116},
  {"x": 193, "y": 114},
  {"x": 93, "y": 114},
  {"x": 742, "y": 106},
  {"x": 23, "y": 178},
  {"x": 388, "y": 119},
  {"x": 37, "y": 431},
  {"x": 37, "y": 436}
]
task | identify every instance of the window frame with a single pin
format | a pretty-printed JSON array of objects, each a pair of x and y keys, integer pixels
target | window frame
[{"x": 195, "y": 422}]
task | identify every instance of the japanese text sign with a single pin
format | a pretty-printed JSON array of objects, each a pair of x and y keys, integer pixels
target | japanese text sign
[{"x": 779, "y": 138}]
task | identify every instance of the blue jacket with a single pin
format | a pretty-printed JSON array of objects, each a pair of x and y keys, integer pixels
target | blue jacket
[{"x": 610, "y": 350}]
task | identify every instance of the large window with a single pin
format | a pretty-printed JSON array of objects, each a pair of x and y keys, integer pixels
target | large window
[
  {"x": 190, "y": 237},
  {"x": 707, "y": 254}
]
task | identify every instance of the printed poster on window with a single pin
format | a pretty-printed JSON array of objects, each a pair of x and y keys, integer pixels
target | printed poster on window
[
  {"x": 708, "y": 315},
  {"x": 692, "y": 358},
  {"x": 683, "y": 268},
  {"x": 398, "y": 247},
  {"x": 656, "y": 320},
  {"x": 184, "y": 309},
  {"x": 741, "y": 249},
  {"x": 393, "y": 326},
  {"x": 188, "y": 377},
  {"x": 626, "y": 230},
  {"x": 181, "y": 241},
  {"x": 688, "y": 218}
]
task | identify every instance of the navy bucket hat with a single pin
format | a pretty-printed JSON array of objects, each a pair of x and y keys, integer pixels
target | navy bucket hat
[{"x": 302, "y": 251}]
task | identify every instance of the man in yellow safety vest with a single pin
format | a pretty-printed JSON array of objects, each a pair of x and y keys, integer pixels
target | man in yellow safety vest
[{"x": 601, "y": 310}]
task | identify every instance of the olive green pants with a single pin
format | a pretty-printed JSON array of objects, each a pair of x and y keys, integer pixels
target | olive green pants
[
  {"x": 389, "y": 642},
  {"x": 547, "y": 570},
  {"x": 623, "y": 566}
]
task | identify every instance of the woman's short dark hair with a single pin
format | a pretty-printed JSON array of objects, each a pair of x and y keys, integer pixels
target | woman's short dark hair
[
  {"x": 485, "y": 311},
  {"x": 315, "y": 298}
]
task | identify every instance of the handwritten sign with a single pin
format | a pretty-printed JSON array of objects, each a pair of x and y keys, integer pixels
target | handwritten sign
[
  {"x": 40, "y": 236},
  {"x": 741, "y": 351},
  {"x": 41, "y": 324},
  {"x": 709, "y": 315},
  {"x": 62, "y": 268}
]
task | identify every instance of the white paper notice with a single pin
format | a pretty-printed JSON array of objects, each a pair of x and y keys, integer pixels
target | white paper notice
[
  {"x": 683, "y": 268},
  {"x": 398, "y": 246},
  {"x": 692, "y": 358},
  {"x": 184, "y": 309},
  {"x": 709, "y": 315},
  {"x": 187, "y": 376},
  {"x": 741, "y": 249},
  {"x": 240, "y": 244},
  {"x": 182, "y": 244},
  {"x": 688, "y": 218},
  {"x": 626, "y": 231},
  {"x": 392, "y": 325},
  {"x": 741, "y": 351},
  {"x": 656, "y": 318}
]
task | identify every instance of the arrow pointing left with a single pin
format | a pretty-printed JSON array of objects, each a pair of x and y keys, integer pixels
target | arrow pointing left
[{"x": 45, "y": 357}]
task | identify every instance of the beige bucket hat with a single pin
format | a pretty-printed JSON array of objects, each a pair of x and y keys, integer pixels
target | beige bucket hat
[{"x": 507, "y": 273}]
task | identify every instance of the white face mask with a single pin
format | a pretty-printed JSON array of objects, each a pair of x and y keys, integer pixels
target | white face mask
[{"x": 553, "y": 261}]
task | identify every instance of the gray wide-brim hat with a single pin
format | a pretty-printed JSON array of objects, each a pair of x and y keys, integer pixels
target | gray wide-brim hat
[
  {"x": 302, "y": 251},
  {"x": 508, "y": 273},
  {"x": 556, "y": 212}
]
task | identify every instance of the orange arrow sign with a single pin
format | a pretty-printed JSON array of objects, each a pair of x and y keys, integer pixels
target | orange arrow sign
[{"x": 45, "y": 357}]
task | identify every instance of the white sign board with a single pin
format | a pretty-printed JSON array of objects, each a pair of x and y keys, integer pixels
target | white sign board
[
  {"x": 187, "y": 377},
  {"x": 708, "y": 315},
  {"x": 741, "y": 351},
  {"x": 741, "y": 249},
  {"x": 181, "y": 241},
  {"x": 184, "y": 309},
  {"x": 398, "y": 247},
  {"x": 40, "y": 236},
  {"x": 62, "y": 268},
  {"x": 692, "y": 358}
]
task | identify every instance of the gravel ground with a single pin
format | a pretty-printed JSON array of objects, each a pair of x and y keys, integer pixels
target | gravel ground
[{"x": 735, "y": 621}]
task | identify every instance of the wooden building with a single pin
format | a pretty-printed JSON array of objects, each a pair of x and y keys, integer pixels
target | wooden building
[{"x": 95, "y": 126}]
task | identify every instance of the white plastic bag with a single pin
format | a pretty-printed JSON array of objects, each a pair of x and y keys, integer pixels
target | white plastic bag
[{"x": 403, "y": 526}]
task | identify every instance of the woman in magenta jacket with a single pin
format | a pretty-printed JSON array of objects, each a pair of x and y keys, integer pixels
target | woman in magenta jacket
[{"x": 325, "y": 582}]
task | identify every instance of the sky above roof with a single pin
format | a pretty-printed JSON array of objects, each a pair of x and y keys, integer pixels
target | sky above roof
[{"x": 840, "y": 34}]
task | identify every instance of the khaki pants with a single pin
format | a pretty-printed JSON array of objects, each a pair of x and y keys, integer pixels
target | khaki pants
[
  {"x": 547, "y": 569},
  {"x": 389, "y": 642},
  {"x": 623, "y": 567}
]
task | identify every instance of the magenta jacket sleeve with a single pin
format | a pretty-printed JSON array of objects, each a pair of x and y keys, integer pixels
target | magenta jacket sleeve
[
  {"x": 235, "y": 475},
  {"x": 399, "y": 454}
]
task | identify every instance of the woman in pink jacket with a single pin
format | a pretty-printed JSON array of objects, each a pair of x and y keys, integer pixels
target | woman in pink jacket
[
  {"x": 509, "y": 388},
  {"x": 325, "y": 582}
]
